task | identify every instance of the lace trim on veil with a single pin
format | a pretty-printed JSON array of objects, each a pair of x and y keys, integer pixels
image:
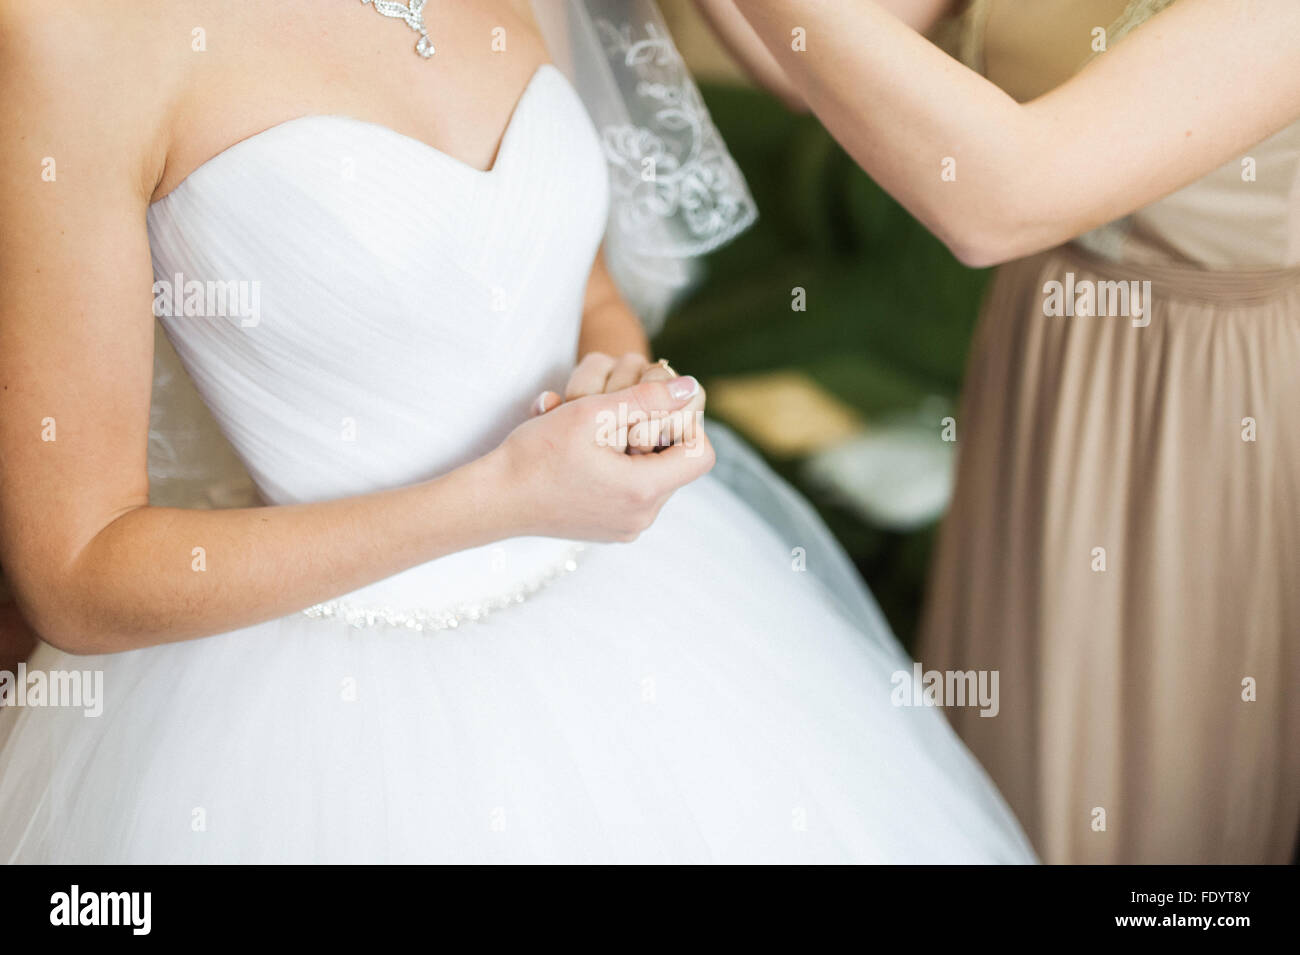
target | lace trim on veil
[
  {"x": 675, "y": 192},
  {"x": 668, "y": 164}
]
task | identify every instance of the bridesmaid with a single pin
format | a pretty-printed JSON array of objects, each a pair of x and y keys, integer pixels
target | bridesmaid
[{"x": 1124, "y": 542}]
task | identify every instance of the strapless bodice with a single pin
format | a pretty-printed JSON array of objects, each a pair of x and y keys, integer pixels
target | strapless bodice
[
  {"x": 389, "y": 312},
  {"x": 360, "y": 311}
]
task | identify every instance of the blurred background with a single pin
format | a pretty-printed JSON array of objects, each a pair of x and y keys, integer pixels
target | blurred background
[{"x": 847, "y": 398}]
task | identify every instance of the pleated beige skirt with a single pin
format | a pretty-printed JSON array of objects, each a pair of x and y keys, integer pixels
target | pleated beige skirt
[{"x": 1124, "y": 549}]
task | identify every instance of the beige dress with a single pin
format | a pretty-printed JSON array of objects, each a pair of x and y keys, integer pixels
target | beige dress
[{"x": 1124, "y": 543}]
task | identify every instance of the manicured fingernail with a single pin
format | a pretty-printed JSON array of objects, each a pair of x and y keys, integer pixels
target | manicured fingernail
[
  {"x": 540, "y": 404},
  {"x": 683, "y": 387}
]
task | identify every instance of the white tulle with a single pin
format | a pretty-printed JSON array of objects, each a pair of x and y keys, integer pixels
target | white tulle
[{"x": 693, "y": 697}]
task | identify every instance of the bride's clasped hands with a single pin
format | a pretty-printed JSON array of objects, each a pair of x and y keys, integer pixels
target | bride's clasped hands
[
  {"x": 569, "y": 469},
  {"x": 600, "y": 373}
]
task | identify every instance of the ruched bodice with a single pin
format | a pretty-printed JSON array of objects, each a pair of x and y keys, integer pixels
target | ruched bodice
[
  {"x": 390, "y": 312},
  {"x": 408, "y": 306}
]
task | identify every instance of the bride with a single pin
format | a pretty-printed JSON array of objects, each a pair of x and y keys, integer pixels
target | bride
[{"x": 404, "y": 652}]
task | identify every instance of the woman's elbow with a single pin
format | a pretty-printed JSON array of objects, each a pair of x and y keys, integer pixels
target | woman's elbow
[
  {"x": 79, "y": 643},
  {"x": 63, "y": 633},
  {"x": 52, "y": 615},
  {"x": 1002, "y": 230},
  {"x": 981, "y": 254},
  {"x": 984, "y": 244}
]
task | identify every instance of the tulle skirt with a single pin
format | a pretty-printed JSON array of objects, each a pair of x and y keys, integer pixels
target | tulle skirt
[{"x": 718, "y": 691}]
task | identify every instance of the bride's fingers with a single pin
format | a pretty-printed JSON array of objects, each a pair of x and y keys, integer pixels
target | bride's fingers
[
  {"x": 682, "y": 463},
  {"x": 546, "y": 401},
  {"x": 666, "y": 432},
  {"x": 590, "y": 376},
  {"x": 567, "y": 474},
  {"x": 631, "y": 419},
  {"x": 657, "y": 372},
  {"x": 676, "y": 427},
  {"x": 626, "y": 372},
  {"x": 629, "y": 371}
]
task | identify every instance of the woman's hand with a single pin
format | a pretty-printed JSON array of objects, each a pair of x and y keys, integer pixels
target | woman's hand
[
  {"x": 678, "y": 428},
  {"x": 599, "y": 373},
  {"x": 568, "y": 472}
]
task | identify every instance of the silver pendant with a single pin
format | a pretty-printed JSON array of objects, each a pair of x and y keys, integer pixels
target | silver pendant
[{"x": 412, "y": 14}]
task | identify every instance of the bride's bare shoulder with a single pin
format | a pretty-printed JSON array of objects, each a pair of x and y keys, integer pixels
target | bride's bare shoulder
[{"x": 90, "y": 79}]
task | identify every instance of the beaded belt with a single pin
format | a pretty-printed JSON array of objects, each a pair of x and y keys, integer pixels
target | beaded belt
[{"x": 365, "y": 617}]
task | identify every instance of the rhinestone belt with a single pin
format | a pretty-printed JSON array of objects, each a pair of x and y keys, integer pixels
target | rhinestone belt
[{"x": 363, "y": 617}]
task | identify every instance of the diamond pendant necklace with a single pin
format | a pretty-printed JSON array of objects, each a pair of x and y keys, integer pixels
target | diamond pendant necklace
[{"x": 413, "y": 15}]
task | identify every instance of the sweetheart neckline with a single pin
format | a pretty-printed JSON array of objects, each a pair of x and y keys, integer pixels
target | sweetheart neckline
[{"x": 410, "y": 141}]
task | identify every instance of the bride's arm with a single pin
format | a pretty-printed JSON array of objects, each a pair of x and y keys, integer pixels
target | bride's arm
[
  {"x": 16, "y": 641},
  {"x": 94, "y": 567},
  {"x": 613, "y": 350},
  {"x": 1196, "y": 86},
  {"x": 609, "y": 326}
]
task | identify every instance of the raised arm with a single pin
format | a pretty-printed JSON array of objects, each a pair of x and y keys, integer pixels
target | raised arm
[
  {"x": 1196, "y": 86},
  {"x": 749, "y": 50},
  {"x": 94, "y": 567}
]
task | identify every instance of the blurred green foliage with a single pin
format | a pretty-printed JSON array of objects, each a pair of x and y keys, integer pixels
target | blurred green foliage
[{"x": 889, "y": 316}]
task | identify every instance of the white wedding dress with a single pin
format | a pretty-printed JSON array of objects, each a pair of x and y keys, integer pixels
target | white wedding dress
[{"x": 694, "y": 697}]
